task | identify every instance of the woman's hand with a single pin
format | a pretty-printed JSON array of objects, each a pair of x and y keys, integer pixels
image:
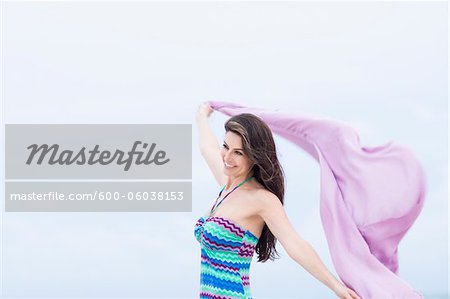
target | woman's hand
[
  {"x": 204, "y": 110},
  {"x": 344, "y": 292}
]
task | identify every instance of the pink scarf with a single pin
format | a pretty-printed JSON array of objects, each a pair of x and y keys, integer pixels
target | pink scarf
[{"x": 369, "y": 197}]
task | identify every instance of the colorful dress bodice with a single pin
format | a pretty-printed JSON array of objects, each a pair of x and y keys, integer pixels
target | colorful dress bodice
[{"x": 226, "y": 253}]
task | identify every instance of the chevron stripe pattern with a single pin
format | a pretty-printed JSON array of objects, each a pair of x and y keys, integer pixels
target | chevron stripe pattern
[{"x": 226, "y": 253}]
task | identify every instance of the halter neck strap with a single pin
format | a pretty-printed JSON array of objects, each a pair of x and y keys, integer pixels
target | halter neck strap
[{"x": 220, "y": 193}]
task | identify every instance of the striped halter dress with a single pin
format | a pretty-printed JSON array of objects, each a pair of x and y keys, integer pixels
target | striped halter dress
[{"x": 226, "y": 253}]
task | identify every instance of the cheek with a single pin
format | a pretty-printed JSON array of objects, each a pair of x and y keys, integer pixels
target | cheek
[
  {"x": 248, "y": 162},
  {"x": 243, "y": 161}
]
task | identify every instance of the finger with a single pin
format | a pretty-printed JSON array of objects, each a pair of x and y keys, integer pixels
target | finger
[{"x": 355, "y": 295}]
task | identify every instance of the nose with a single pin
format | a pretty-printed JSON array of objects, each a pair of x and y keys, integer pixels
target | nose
[{"x": 226, "y": 156}]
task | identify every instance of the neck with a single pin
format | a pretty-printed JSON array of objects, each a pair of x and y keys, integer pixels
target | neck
[{"x": 233, "y": 181}]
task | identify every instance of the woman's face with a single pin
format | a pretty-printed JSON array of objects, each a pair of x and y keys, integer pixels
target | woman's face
[{"x": 236, "y": 162}]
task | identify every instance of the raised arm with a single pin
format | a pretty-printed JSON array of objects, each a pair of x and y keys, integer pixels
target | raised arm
[
  {"x": 273, "y": 213},
  {"x": 208, "y": 144}
]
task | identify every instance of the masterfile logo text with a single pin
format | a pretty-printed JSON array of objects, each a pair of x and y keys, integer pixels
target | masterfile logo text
[{"x": 68, "y": 157}]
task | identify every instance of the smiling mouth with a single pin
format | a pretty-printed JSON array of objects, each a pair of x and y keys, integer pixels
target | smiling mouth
[{"x": 229, "y": 166}]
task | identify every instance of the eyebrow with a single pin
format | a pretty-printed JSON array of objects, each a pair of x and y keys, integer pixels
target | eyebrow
[{"x": 235, "y": 148}]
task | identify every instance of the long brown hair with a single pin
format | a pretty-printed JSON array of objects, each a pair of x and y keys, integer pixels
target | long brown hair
[{"x": 259, "y": 146}]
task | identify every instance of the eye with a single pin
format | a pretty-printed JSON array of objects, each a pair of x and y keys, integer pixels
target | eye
[
  {"x": 224, "y": 145},
  {"x": 239, "y": 153}
]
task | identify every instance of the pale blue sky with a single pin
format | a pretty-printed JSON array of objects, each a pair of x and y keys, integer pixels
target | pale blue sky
[{"x": 380, "y": 66}]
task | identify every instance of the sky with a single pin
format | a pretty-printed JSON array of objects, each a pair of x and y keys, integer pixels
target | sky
[{"x": 379, "y": 66}]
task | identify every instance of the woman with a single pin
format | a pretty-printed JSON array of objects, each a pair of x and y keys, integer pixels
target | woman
[{"x": 248, "y": 214}]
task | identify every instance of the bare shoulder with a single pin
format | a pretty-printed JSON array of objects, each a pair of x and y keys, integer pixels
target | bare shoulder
[
  {"x": 267, "y": 199},
  {"x": 262, "y": 200}
]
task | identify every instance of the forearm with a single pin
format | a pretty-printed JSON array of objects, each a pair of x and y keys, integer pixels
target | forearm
[
  {"x": 206, "y": 135},
  {"x": 306, "y": 256}
]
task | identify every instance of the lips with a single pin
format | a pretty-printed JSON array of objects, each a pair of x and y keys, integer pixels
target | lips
[{"x": 228, "y": 165}]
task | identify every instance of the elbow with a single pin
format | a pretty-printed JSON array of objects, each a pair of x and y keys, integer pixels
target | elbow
[{"x": 297, "y": 249}]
